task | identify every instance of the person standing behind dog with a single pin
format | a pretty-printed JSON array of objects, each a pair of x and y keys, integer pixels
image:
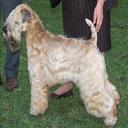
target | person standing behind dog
[
  {"x": 12, "y": 62},
  {"x": 74, "y": 13}
]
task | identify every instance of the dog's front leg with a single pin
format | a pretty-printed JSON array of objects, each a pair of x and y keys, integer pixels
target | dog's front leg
[{"x": 39, "y": 97}]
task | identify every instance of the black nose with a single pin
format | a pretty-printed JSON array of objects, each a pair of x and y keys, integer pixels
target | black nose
[{"x": 5, "y": 29}]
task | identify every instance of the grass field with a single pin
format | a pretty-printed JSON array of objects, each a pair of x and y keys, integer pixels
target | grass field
[{"x": 66, "y": 112}]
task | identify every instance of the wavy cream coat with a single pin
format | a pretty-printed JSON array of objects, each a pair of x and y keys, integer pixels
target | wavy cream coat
[{"x": 56, "y": 59}]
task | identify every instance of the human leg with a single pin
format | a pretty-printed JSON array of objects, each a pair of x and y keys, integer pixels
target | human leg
[
  {"x": 12, "y": 62},
  {"x": 63, "y": 91}
]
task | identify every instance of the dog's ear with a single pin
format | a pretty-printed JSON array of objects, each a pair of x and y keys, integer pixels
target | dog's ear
[{"x": 26, "y": 15}]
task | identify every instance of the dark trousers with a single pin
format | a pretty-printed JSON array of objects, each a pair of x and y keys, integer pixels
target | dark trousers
[{"x": 12, "y": 62}]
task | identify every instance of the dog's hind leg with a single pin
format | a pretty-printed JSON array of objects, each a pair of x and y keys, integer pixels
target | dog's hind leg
[
  {"x": 97, "y": 101},
  {"x": 112, "y": 91}
]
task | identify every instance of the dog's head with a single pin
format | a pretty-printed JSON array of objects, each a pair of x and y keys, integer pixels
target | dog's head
[{"x": 15, "y": 24}]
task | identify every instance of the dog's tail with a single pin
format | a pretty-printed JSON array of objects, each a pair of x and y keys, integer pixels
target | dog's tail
[{"x": 93, "y": 31}]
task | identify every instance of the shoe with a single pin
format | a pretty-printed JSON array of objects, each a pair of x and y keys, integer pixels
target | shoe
[
  {"x": 56, "y": 96},
  {"x": 11, "y": 84}
]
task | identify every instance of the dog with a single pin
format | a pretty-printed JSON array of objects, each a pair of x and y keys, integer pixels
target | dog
[{"x": 56, "y": 59}]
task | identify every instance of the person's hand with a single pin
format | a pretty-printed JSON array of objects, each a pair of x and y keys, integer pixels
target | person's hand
[{"x": 98, "y": 16}]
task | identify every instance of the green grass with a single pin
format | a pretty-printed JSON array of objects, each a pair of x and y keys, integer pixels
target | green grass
[{"x": 66, "y": 112}]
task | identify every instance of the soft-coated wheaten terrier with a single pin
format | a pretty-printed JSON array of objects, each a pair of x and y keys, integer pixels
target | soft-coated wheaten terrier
[{"x": 56, "y": 59}]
